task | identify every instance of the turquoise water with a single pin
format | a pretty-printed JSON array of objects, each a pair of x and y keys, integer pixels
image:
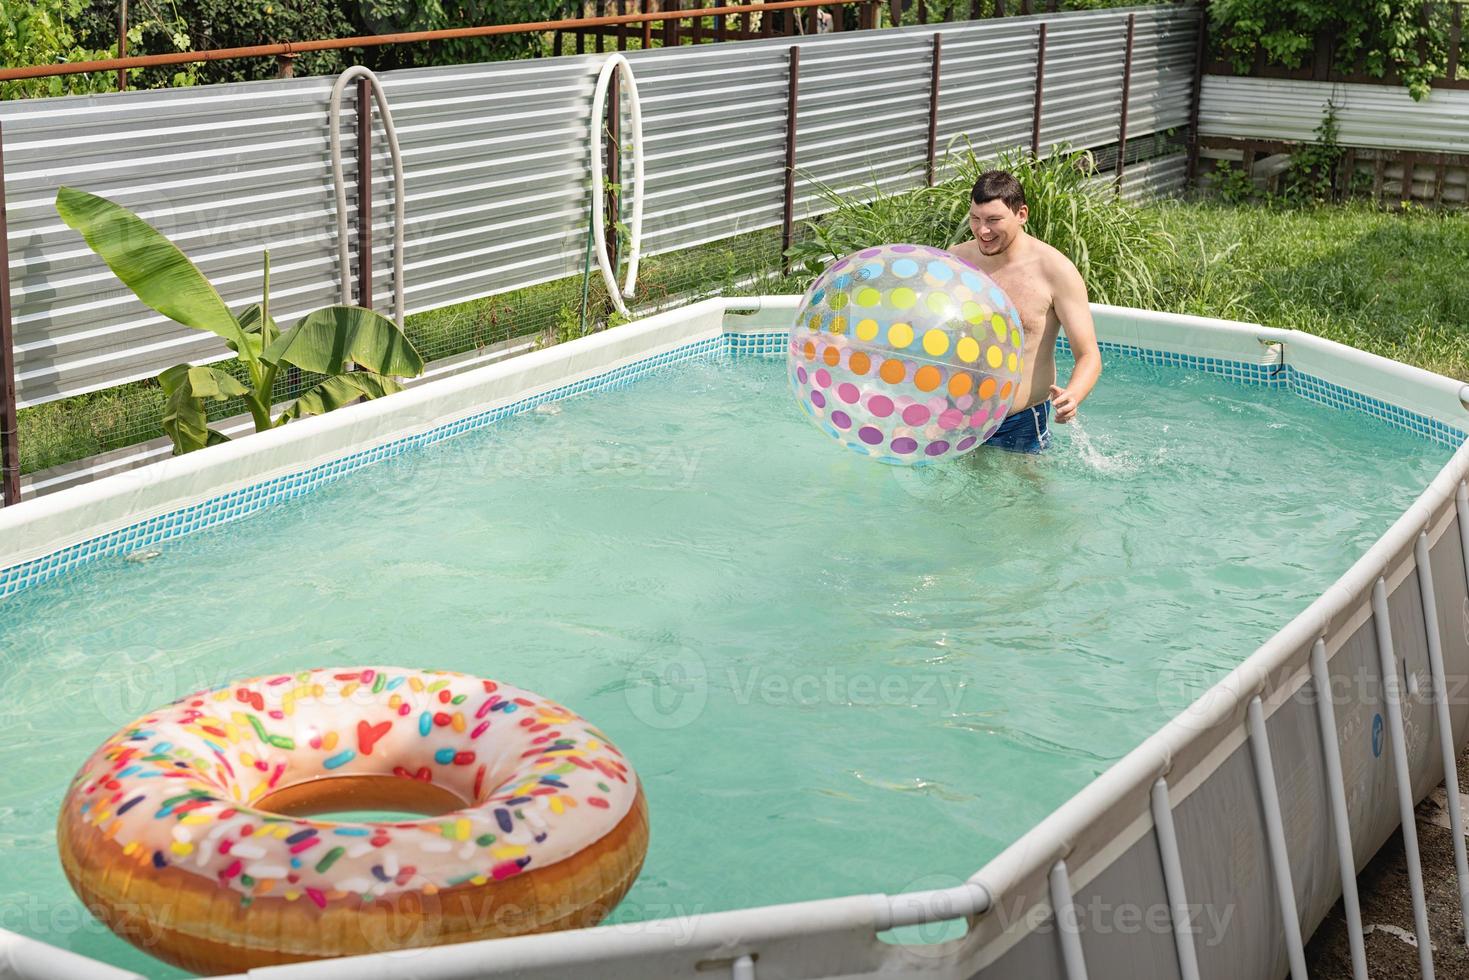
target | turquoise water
[{"x": 833, "y": 676}]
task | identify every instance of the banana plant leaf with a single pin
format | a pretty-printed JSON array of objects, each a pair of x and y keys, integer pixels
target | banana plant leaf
[
  {"x": 149, "y": 264},
  {"x": 326, "y": 340},
  {"x": 339, "y": 390},
  {"x": 185, "y": 418},
  {"x": 258, "y": 338}
]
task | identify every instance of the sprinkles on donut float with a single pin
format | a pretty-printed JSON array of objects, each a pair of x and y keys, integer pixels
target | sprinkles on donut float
[{"x": 191, "y": 827}]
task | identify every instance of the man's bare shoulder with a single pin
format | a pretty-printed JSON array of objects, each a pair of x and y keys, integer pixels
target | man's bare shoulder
[
  {"x": 965, "y": 251},
  {"x": 1057, "y": 267}
]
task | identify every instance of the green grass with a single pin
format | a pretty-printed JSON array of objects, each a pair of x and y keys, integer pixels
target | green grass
[{"x": 1390, "y": 282}]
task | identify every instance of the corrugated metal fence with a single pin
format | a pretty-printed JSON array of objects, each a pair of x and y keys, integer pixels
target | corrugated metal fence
[
  {"x": 497, "y": 166},
  {"x": 1382, "y": 116}
]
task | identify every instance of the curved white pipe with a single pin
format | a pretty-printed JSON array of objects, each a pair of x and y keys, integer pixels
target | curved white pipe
[
  {"x": 599, "y": 220},
  {"x": 365, "y": 186}
]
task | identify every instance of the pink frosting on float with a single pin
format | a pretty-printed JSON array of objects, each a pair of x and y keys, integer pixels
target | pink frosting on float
[{"x": 177, "y": 787}]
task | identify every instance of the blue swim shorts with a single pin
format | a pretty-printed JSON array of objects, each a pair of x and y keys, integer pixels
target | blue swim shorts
[{"x": 1026, "y": 431}]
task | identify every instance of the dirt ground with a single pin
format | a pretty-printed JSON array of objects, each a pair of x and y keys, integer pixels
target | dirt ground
[{"x": 1387, "y": 906}]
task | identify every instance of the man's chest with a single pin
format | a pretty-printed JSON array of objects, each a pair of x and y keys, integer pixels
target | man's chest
[{"x": 1032, "y": 298}]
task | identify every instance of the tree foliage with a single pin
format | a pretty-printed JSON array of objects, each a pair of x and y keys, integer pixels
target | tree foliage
[
  {"x": 48, "y": 32},
  {"x": 159, "y": 26},
  {"x": 395, "y": 16},
  {"x": 1385, "y": 36},
  {"x": 162, "y": 26}
]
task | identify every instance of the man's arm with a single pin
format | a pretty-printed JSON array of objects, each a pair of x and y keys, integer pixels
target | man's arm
[{"x": 1075, "y": 314}]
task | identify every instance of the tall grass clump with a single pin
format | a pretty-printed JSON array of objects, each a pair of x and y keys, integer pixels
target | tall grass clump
[{"x": 1112, "y": 243}]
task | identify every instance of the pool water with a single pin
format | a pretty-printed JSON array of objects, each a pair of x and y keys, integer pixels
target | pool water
[{"x": 833, "y": 676}]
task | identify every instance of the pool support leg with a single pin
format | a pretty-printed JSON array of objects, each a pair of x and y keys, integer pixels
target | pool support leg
[
  {"x": 1445, "y": 723},
  {"x": 1340, "y": 821},
  {"x": 1392, "y": 698},
  {"x": 1068, "y": 930},
  {"x": 1183, "y": 939},
  {"x": 1290, "y": 921}
]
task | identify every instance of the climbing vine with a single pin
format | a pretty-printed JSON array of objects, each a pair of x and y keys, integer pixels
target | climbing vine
[{"x": 1385, "y": 36}]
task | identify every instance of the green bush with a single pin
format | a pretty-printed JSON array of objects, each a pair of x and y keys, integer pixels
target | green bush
[
  {"x": 1313, "y": 171},
  {"x": 1384, "y": 34},
  {"x": 1070, "y": 209},
  {"x": 1230, "y": 185}
]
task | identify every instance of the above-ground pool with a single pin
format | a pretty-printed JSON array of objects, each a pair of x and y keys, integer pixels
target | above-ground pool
[{"x": 833, "y": 676}]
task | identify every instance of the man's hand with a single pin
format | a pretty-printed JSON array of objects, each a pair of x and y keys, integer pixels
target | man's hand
[{"x": 1065, "y": 404}]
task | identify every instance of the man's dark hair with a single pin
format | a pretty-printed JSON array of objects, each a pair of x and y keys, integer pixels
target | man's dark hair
[{"x": 998, "y": 185}]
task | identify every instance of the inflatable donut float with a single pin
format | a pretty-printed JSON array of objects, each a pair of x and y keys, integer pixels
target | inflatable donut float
[{"x": 189, "y": 832}]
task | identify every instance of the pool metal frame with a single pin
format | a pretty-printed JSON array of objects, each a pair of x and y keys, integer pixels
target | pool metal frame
[{"x": 1253, "y": 807}]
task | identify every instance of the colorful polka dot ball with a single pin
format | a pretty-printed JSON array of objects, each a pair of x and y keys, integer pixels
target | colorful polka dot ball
[{"x": 906, "y": 354}]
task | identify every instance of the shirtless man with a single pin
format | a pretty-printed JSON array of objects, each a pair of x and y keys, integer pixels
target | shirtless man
[{"x": 1049, "y": 293}]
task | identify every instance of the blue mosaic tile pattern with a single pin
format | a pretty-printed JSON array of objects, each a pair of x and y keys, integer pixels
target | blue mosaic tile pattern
[
  {"x": 1319, "y": 390},
  {"x": 764, "y": 343},
  {"x": 245, "y": 501},
  {"x": 1305, "y": 385}
]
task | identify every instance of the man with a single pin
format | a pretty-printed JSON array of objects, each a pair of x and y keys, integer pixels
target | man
[{"x": 1049, "y": 293}]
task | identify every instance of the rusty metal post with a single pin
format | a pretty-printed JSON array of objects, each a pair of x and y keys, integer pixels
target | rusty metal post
[
  {"x": 601, "y": 11},
  {"x": 285, "y": 66},
  {"x": 364, "y": 193},
  {"x": 9, "y": 430},
  {"x": 622, "y": 28},
  {"x": 614, "y": 166},
  {"x": 897, "y": 12},
  {"x": 1040, "y": 87},
  {"x": 788, "y": 214},
  {"x": 647, "y": 25},
  {"x": 1201, "y": 51},
  {"x": 999, "y": 8},
  {"x": 122, "y": 44},
  {"x": 1126, "y": 92},
  {"x": 933, "y": 106}
]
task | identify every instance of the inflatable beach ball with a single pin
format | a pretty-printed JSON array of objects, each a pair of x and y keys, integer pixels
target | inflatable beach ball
[{"x": 906, "y": 353}]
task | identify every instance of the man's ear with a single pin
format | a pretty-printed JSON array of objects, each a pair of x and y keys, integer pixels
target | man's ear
[{"x": 1023, "y": 213}]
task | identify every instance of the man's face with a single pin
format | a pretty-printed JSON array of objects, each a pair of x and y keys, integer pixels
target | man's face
[{"x": 995, "y": 226}]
